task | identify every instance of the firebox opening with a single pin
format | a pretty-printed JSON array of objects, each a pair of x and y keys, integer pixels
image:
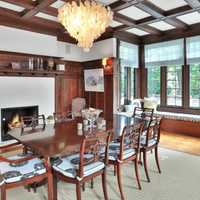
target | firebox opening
[{"x": 13, "y": 118}]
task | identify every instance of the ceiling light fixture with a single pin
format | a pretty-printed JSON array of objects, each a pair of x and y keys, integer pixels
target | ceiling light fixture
[{"x": 85, "y": 20}]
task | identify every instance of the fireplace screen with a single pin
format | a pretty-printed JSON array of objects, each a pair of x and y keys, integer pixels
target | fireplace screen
[{"x": 13, "y": 117}]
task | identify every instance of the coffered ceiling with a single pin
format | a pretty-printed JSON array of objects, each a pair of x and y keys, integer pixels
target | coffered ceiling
[{"x": 140, "y": 19}]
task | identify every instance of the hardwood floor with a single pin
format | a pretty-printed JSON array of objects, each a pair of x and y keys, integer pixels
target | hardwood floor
[{"x": 180, "y": 142}]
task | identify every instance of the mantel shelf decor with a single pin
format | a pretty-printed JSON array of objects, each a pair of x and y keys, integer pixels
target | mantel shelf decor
[{"x": 23, "y": 72}]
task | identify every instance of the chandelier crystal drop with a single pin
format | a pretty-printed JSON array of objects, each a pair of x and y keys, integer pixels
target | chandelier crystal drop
[{"x": 85, "y": 20}]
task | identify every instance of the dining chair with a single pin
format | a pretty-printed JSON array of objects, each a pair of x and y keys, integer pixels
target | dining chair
[
  {"x": 144, "y": 113},
  {"x": 33, "y": 123},
  {"x": 62, "y": 116},
  {"x": 21, "y": 170},
  {"x": 85, "y": 165},
  {"x": 125, "y": 149},
  {"x": 150, "y": 141}
]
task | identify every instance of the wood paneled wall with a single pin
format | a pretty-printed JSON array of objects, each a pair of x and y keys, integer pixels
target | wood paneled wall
[
  {"x": 181, "y": 127},
  {"x": 101, "y": 100},
  {"x": 69, "y": 86}
]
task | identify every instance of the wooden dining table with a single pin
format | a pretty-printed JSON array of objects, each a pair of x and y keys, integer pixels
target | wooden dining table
[{"x": 64, "y": 138}]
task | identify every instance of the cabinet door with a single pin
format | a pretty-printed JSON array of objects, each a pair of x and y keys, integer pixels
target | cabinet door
[{"x": 67, "y": 88}]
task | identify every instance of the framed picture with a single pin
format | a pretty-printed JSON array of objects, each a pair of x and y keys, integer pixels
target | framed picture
[{"x": 94, "y": 80}]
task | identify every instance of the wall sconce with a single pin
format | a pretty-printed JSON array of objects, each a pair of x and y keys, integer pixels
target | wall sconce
[{"x": 107, "y": 64}]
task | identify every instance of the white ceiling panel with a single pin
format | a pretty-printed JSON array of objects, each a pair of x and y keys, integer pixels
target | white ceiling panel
[
  {"x": 11, "y": 6},
  {"x": 115, "y": 24},
  {"x": 137, "y": 31},
  {"x": 134, "y": 13},
  {"x": 162, "y": 26},
  {"x": 57, "y": 4},
  {"x": 168, "y": 4},
  {"x": 190, "y": 18},
  {"x": 46, "y": 16}
]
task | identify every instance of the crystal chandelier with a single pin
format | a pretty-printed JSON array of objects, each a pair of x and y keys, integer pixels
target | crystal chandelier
[{"x": 85, "y": 20}]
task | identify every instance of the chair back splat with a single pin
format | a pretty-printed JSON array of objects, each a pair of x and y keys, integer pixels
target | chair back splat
[
  {"x": 94, "y": 149},
  {"x": 144, "y": 113},
  {"x": 153, "y": 131},
  {"x": 130, "y": 138},
  {"x": 33, "y": 123}
]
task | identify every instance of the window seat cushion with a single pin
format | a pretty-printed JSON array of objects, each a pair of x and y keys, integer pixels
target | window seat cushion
[{"x": 178, "y": 116}]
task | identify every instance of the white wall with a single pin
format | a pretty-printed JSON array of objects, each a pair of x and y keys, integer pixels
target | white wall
[
  {"x": 28, "y": 91},
  {"x": 101, "y": 49},
  {"x": 16, "y": 40}
]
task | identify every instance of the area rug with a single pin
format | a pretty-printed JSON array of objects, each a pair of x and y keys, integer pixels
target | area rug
[{"x": 179, "y": 181}]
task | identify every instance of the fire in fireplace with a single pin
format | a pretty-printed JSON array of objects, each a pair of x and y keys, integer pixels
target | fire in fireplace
[
  {"x": 16, "y": 121},
  {"x": 13, "y": 118}
]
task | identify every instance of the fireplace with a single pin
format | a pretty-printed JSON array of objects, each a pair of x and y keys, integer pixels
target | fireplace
[{"x": 13, "y": 117}]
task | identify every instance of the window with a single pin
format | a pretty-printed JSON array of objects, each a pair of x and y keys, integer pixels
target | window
[
  {"x": 123, "y": 85},
  {"x": 128, "y": 54},
  {"x": 127, "y": 84},
  {"x": 170, "y": 56},
  {"x": 153, "y": 84},
  {"x": 174, "y": 85},
  {"x": 195, "y": 85},
  {"x": 193, "y": 59}
]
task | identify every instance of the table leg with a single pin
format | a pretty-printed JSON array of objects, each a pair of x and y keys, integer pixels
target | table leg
[{"x": 52, "y": 183}]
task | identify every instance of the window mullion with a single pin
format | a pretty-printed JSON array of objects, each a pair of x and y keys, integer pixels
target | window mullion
[
  {"x": 186, "y": 86},
  {"x": 163, "y": 90}
]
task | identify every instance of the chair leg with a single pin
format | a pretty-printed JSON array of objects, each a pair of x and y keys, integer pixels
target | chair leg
[
  {"x": 55, "y": 185},
  {"x": 92, "y": 183},
  {"x": 157, "y": 159},
  {"x": 137, "y": 173},
  {"x": 51, "y": 187},
  {"x": 145, "y": 165},
  {"x": 115, "y": 169},
  {"x": 83, "y": 187},
  {"x": 140, "y": 158},
  {"x": 3, "y": 193},
  {"x": 78, "y": 191},
  {"x": 119, "y": 181},
  {"x": 104, "y": 185}
]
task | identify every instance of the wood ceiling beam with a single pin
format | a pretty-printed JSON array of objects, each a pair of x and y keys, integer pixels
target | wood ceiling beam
[
  {"x": 127, "y": 37},
  {"x": 172, "y": 35},
  {"x": 130, "y": 23},
  {"x": 29, "y": 4},
  {"x": 121, "y": 4},
  {"x": 168, "y": 15},
  {"x": 36, "y": 9},
  {"x": 25, "y": 25},
  {"x": 159, "y": 14},
  {"x": 35, "y": 24}
]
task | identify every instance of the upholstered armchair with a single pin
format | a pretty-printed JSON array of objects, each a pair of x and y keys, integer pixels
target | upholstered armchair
[{"x": 78, "y": 104}]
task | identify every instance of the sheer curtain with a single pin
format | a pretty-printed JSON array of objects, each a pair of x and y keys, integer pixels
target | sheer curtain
[
  {"x": 164, "y": 53},
  {"x": 193, "y": 50},
  {"x": 128, "y": 54}
]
